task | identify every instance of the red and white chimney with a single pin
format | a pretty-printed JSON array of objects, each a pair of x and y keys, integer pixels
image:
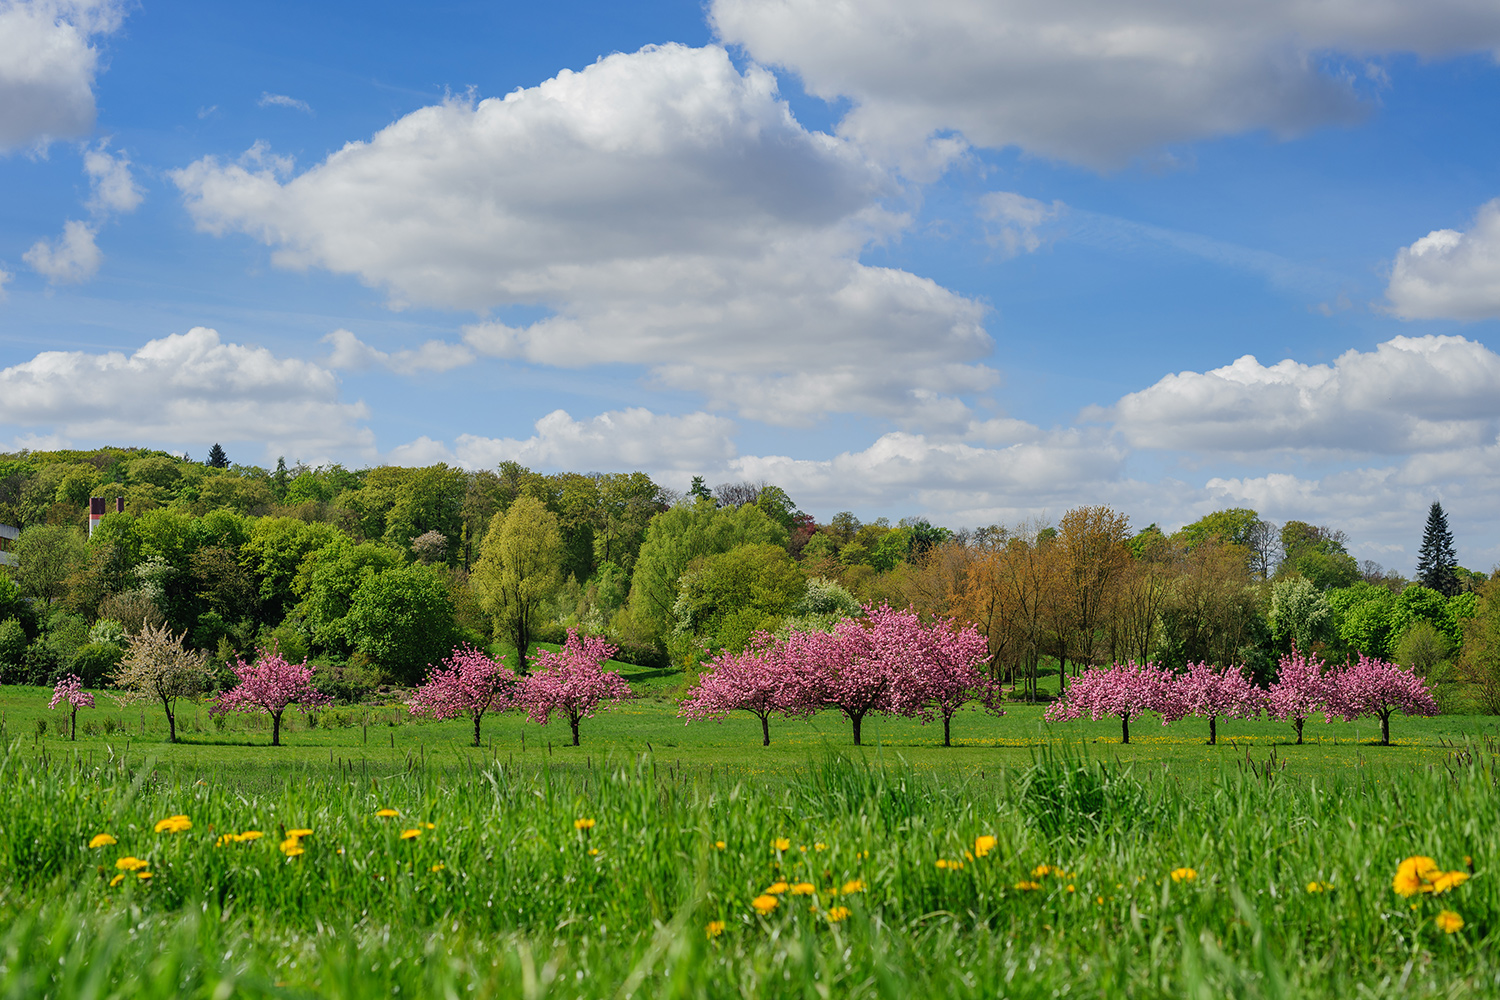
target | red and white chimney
[{"x": 96, "y": 513}]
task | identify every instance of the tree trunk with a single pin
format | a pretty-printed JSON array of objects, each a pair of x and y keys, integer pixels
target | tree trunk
[
  {"x": 857, "y": 719},
  {"x": 1385, "y": 729},
  {"x": 573, "y": 721},
  {"x": 73, "y": 728},
  {"x": 1213, "y": 730},
  {"x": 946, "y": 720},
  {"x": 171, "y": 723},
  {"x": 522, "y": 635},
  {"x": 1124, "y": 729},
  {"x": 276, "y": 728},
  {"x": 765, "y": 729},
  {"x": 1298, "y": 724},
  {"x": 477, "y": 717}
]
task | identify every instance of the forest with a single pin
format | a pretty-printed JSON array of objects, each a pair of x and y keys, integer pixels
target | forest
[{"x": 375, "y": 574}]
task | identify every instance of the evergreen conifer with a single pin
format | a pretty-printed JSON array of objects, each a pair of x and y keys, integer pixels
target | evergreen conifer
[{"x": 1436, "y": 562}]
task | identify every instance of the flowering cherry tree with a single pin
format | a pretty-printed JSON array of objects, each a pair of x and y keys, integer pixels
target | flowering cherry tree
[
  {"x": 762, "y": 680},
  {"x": 1214, "y": 694},
  {"x": 949, "y": 671},
  {"x": 1123, "y": 690},
  {"x": 466, "y": 683},
  {"x": 1301, "y": 690},
  {"x": 1378, "y": 688},
  {"x": 270, "y": 684},
  {"x": 70, "y": 690},
  {"x": 571, "y": 681}
]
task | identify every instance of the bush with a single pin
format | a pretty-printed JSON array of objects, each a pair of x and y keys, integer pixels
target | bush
[
  {"x": 347, "y": 684},
  {"x": 13, "y": 645},
  {"x": 95, "y": 662}
]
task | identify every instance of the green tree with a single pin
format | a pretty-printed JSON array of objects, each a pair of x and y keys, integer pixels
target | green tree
[
  {"x": 157, "y": 668},
  {"x": 46, "y": 556},
  {"x": 327, "y": 581},
  {"x": 519, "y": 571},
  {"x": 402, "y": 620},
  {"x": 274, "y": 553},
  {"x": 216, "y": 457},
  {"x": 1437, "y": 563},
  {"x": 725, "y": 598},
  {"x": 1299, "y": 613}
]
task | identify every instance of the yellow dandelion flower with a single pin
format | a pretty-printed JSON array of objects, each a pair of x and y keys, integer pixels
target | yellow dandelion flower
[
  {"x": 1415, "y": 875},
  {"x": 1449, "y": 880},
  {"x": 942, "y": 863},
  {"x": 776, "y": 888},
  {"x": 143, "y": 876},
  {"x": 117, "y": 880},
  {"x": 174, "y": 824},
  {"x": 429, "y": 826},
  {"x": 852, "y": 886},
  {"x": 251, "y": 835},
  {"x": 438, "y": 867},
  {"x": 410, "y": 834},
  {"x": 820, "y": 846},
  {"x": 583, "y": 823},
  {"x": 1099, "y": 900},
  {"x": 130, "y": 864},
  {"x": 984, "y": 845},
  {"x": 593, "y": 851},
  {"x": 720, "y": 845},
  {"x": 387, "y": 813},
  {"x": 102, "y": 840},
  {"x": 1028, "y": 886},
  {"x": 1183, "y": 874},
  {"x": 1449, "y": 922},
  {"x": 765, "y": 904},
  {"x": 1070, "y": 888},
  {"x": 714, "y": 928},
  {"x": 838, "y": 913},
  {"x": 1041, "y": 870},
  {"x": 292, "y": 847},
  {"x": 1316, "y": 886},
  {"x": 781, "y": 843},
  {"x": 299, "y": 833},
  {"x": 804, "y": 889}
]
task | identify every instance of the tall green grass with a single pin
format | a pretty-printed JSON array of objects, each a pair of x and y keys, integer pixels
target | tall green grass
[{"x": 504, "y": 895}]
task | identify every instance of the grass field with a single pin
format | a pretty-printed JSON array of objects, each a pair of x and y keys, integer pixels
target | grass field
[{"x": 506, "y": 894}]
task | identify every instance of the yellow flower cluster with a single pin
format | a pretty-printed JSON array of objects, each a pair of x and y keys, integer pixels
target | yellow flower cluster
[
  {"x": 583, "y": 823},
  {"x": 102, "y": 840},
  {"x": 239, "y": 838},
  {"x": 292, "y": 845},
  {"x": 387, "y": 813},
  {"x": 174, "y": 824},
  {"x": 1420, "y": 874},
  {"x": 1184, "y": 874}
]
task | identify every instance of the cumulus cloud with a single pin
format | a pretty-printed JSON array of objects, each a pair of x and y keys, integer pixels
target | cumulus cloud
[
  {"x": 1014, "y": 220},
  {"x": 269, "y": 100},
  {"x": 1095, "y": 82},
  {"x": 112, "y": 188},
  {"x": 186, "y": 389},
  {"x": 47, "y": 68},
  {"x": 665, "y": 209},
  {"x": 72, "y": 258},
  {"x": 1410, "y": 394},
  {"x": 628, "y": 439},
  {"x": 434, "y": 356},
  {"x": 1449, "y": 274}
]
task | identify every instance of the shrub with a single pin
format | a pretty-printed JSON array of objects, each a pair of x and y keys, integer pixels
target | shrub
[{"x": 96, "y": 661}]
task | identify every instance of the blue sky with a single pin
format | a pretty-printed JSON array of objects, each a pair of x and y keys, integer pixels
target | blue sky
[{"x": 975, "y": 262}]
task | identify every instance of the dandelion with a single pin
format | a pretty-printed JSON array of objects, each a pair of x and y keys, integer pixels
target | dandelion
[
  {"x": 174, "y": 824},
  {"x": 1449, "y": 880},
  {"x": 387, "y": 813},
  {"x": 1184, "y": 874},
  {"x": 292, "y": 847},
  {"x": 781, "y": 844},
  {"x": 942, "y": 863},
  {"x": 776, "y": 888},
  {"x": 820, "y": 846},
  {"x": 714, "y": 928},
  {"x": 143, "y": 876},
  {"x": 429, "y": 826},
  {"x": 765, "y": 904},
  {"x": 720, "y": 845},
  {"x": 1415, "y": 874},
  {"x": 131, "y": 864},
  {"x": 853, "y": 886},
  {"x": 251, "y": 835},
  {"x": 117, "y": 880},
  {"x": 412, "y": 834},
  {"x": 1028, "y": 886},
  {"x": 1099, "y": 900},
  {"x": 1316, "y": 886},
  {"x": 102, "y": 840},
  {"x": 1070, "y": 888},
  {"x": 583, "y": 823},
  {"x": 838, "y": 913},
  {"x": 1449, "y": 922},
  {"x": 299, "y": 833},
  {"x": 593, "y": 851},
  {"x": 1042, "y": 870},
  {"x": 804, "y": 889},
  {"x": 438, "y": 867},
  {"x": 984, "y": 845}
]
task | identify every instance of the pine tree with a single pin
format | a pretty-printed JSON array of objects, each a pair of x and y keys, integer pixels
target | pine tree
[
  {"x": 1437, "y": 561},
  {"x": 216, "y": 457}
]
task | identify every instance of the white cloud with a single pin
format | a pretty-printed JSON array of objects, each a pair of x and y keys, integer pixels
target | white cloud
[
  {"x": 112, "y": 187},
  {"x": 665, "y": 208},
  {"x": 1449, "y": 274},
  {"x": 1091, "y": 81},
  {"x": 434, "y": 356},
  {"x": 1015, "y": 219},
  {"x": 5, "y": 277},
  {"x": 186, "y": 390},
  {"x": 47, "y": 68},
  {"x": 1410, "y": 394},
  {"x": 628, "y": 439},
  {"x": 72, "y": 258},
  {"x": 269, "y": 100}
]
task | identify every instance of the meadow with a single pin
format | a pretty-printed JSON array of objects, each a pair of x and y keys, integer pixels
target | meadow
[{"x": 666, "y": 860}]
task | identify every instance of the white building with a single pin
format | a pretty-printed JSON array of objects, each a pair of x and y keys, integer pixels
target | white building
[{"x": 8, "y": 536}]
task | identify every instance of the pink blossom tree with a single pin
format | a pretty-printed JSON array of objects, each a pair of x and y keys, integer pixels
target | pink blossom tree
[
  {"x": 762, "y": 680},
  {"x": 1210, "y": 693},
  {"x": 1125, "y": 691},
  {"x": 867, "y": 664},
  {"x": 571, "y": 681},
  {"x": 1378, "y": 688},
  {"x": 1301, "y": 690},
  {"x": 270, "y": 684},
  {"x": 70, "y": 690},
  {"x": 949, "y": 671},
  {"x": 466, "y": 683}
]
